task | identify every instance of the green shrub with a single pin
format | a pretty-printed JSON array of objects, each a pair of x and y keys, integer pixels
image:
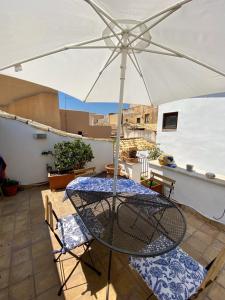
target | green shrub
[{"x": 72, "y": 155}]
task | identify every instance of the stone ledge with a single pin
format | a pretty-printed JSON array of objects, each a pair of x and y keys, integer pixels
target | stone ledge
[{"x": 198, "y": 174}]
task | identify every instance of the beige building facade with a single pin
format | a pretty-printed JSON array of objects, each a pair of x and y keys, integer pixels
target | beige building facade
[
  {"x": 78, "y": 122},
  {"x": 42, "y": 108},
  {"x": 41, "y": 104},
  {"x": 140, "y": 115}
]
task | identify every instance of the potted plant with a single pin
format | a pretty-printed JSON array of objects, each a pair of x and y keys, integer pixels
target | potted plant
[
  {"x": 153, "y": 185},
  {"x": 154, "y": 153},
  {"x": 10, "y": 187},
  {"x": 70, "y": 159},
  {"x": 110, "y": 169}
]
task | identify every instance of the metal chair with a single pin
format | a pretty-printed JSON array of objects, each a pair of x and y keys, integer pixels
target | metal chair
[
  {"x": 164, "y": 181},
  {"x": 71, "y": 233},
  {"x": 176, "y": 275}
]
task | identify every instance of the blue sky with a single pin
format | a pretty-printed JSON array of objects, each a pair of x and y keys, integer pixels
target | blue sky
[{"x": 70, "y": 103}]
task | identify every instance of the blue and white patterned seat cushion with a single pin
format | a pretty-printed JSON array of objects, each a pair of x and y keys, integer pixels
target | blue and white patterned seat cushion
[
  {"x": 173, "y": 275},
  {"x": 72, "y": 231}
]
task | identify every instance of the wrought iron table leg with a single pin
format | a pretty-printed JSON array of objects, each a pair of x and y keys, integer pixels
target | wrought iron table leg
[{"x": 109, "y": 274}]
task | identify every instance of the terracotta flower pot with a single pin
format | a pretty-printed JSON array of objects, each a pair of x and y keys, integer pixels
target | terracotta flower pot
[
  {"x": 110, "y": 169},
  {"x": 157, "y": 187},
  {"x": 10, "y": 190}
]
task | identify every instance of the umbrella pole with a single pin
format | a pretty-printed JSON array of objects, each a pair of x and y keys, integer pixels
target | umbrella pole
[{"x": 124, "y": 52}]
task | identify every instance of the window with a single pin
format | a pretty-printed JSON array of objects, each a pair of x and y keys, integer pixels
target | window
[
  {"x": 170, "y": 121},
  {"x": 147, "y": 118},
  {"x": 138, "y": 120}
]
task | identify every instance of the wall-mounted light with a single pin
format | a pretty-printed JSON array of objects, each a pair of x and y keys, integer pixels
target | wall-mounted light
[
  {"x": 18, "y": 68},
  {"x": 40, "y": 136}
]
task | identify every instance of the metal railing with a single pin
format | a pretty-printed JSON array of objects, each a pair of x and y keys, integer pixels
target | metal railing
[{"x": 144, "y": 166}]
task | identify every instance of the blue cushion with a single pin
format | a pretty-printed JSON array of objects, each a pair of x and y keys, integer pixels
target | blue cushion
[
  {"x": 72, "y": 231},
  {"x": 174, "y": 275}
]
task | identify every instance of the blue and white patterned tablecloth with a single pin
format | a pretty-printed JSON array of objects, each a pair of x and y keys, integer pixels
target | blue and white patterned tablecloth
[{"x": 96, "y": 184}]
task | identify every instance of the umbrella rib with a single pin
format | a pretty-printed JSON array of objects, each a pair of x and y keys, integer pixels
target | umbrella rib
[
  {"x": 108, "y": 62},
  {"x": 93, "y": 47},
  {"x": 134, "y": 64},
  {"x": 149, "y": 50},
  {"x": 105, "y": 14},
  {"x": 177, "y": 5},
  {"x": 67, "y": 47},
  {"x": 180, "y": 54},
  {"x": 153, "y": 51},
  {"x": 154, "y": 24},
  {"x": 141, "y": 74},
  {"x": 104, "y": 20}
]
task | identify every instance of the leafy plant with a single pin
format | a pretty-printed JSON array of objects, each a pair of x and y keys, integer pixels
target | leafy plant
[
  {"x": 10, "y": 182},
  {"x": 154, "y": 153},
  {"x": 72, "y": 155}
]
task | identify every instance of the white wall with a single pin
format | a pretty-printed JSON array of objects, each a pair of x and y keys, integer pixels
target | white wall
[
  {"x": 200, "y": 135},
  {"x": 192, "y": 189},
  {"x": 22, "y": 152},
  {"x": 132, "y": 170}
]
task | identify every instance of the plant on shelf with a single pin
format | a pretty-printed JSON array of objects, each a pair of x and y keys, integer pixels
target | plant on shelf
[
  {"x": 72, "y": 155},
  {"x": 154, "y": 153},
  {"x": 10, "y": 187}
]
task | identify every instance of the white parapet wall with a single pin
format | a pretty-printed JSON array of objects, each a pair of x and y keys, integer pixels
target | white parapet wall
[
  {"x": 195, "y": 190},
  {"x": 131, "y": 170},
  {"x": 22, "y": 152}
]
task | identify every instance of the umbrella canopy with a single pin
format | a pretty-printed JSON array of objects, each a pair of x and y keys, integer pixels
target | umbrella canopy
[{"x": 175, "y": 48}]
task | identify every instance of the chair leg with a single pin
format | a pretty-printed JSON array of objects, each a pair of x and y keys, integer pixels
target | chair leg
[
  {"x": 79, "y": 258},
  {"x": 57, "y": 258},
  {"x": 149, "y": 296},
  {"x": 68, "y": 277},
  {"x": 86, "y": 263}
]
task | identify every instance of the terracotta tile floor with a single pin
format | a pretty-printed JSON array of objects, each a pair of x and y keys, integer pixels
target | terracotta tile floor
[{"x": 27, "y": 270}]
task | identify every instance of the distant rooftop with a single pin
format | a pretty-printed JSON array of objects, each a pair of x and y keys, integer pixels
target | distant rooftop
[{"x": 139, "y": 143}]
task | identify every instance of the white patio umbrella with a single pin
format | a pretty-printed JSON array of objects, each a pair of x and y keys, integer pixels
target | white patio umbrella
[{"x": 166, "y": 49}]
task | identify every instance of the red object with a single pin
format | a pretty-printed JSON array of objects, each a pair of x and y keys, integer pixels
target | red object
[
  {"x": 10, "y": 190},
  {"x": 2, "y": 168}
]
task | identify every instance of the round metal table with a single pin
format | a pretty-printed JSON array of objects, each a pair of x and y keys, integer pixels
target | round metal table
[{"x": 137, "y": 221}]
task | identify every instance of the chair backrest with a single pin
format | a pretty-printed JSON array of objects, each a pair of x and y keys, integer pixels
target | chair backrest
[
  {"x": 164, "y": 181},
  {"x": 50, "y": 214},
  {"x": 214, "y": 269}
]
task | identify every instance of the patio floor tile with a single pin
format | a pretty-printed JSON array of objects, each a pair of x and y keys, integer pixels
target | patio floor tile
[
  {"x": 50, "y": 294},
  {"x": 5, "y": 260},
  {"x": 22, "y": 239},
  {"x": 4, "y": 278},
  {"x": 217, "y": 292},
  {"x": 45, "y": 280},
  {"x": 23, "y": 290},
  {"x": 21, "y": 256},
  {"x": 41, "y": 248},
  {"x": 20, "y": 272},
  {"x": 4, "y": 294}
]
